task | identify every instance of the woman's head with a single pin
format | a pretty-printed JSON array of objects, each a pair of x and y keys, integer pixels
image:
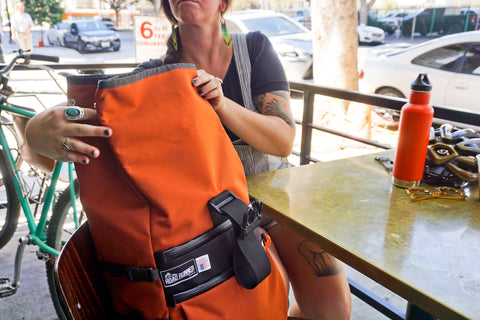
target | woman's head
[
  {"x": 169, "y": 14},
  {"x": 173, "y": 54}
]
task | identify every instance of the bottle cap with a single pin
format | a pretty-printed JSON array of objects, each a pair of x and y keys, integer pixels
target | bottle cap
[{"x": 422, "y": 83}]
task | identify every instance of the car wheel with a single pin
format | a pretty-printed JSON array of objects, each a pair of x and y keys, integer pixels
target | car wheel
[
  {"x": 389, "y": 114},
  {"x": 391, "y": 92},
  {"x": 116, "y": 48},
  {"x": 50, "y": 42},
  {"x": 81, "y": 46}
]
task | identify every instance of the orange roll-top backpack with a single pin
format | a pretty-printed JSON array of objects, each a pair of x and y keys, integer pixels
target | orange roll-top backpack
[{"x": 167, "y": 203}]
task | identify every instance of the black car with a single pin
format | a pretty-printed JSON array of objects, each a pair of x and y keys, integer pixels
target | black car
[
  {"x": 91, "y": 35},
  {"x": 441, "y": 20}
]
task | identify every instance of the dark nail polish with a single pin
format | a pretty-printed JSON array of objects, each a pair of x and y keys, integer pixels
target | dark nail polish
[
  {"x": 84, "y": 161},
  {"x": 204, "y": 95},
  {"x": 106, "y": 132},
  {"x": 194, "y": 81},
  {"x": 92, "y": 153},
  {"x": 200, "y": 92}
]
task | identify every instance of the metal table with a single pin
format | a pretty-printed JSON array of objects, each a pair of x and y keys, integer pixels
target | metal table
[{"x": 427, "y": 252}]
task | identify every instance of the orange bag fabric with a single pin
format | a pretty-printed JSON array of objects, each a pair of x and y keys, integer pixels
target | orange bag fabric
[{"x": 148, "y": 191}]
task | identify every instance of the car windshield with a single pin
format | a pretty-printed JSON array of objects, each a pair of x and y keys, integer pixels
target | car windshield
[
  {"x": 272, "y": 26},
  {"x": 91, "y": 26}
]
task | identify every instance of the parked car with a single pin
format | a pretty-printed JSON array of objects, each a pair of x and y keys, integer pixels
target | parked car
[
  {"x": 291, "y": 40},
  {"x": 451, "y": 62},
  {"x": 303, "y": 17},
  {"x": 440, "y": 20},
  {"x": 109, "y": 23},
  {"x": 369, "y": 34},
  {"x": 392, "y": 21},
  {"x": 56, "y": 32},
  {"x": 91, "y": 35}
]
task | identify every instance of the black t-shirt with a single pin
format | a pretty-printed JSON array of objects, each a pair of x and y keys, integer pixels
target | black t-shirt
[{"x": 267, "y": 71}]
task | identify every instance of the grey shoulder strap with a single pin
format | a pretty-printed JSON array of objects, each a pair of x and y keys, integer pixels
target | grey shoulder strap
[{"x": 244, "y": 68}]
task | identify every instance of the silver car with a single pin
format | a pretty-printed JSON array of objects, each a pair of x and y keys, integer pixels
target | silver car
[
  {"x": 56, "y": 32},
  {"x": 291, "y": 40}
]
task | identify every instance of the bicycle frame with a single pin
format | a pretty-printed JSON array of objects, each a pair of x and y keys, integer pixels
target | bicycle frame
[{"x": 37, "y": 234}]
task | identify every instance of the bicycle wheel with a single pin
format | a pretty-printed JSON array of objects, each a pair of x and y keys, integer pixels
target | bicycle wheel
[
  {"x": 12, "y": 140},
  {"x": 9, "y": 203},
  {"x": 60, "y": 229}
]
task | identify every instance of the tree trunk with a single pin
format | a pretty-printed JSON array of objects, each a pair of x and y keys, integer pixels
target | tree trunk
[
  {"x": 334, "y": 25},
  {"x": 364, "y": 9},
  {"x": 156, "y": 7},
  {"x": 335, "y": 46}
]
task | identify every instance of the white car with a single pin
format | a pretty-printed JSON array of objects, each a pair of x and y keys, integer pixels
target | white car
[
  {"x": 452, "y": 64},
  {"x": 291, "y": 40},
  {"x": 56, "y": 32},
  {"x": 369, "y": 34}
]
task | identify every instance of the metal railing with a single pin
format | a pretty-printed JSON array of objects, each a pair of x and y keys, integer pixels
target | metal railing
[{"x": 461, "y": 118}]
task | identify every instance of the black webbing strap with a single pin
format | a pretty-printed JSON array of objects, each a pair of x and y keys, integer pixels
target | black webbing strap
[
  {"x": 250, "y": 261},
  {"x": 134, "y": 274}
]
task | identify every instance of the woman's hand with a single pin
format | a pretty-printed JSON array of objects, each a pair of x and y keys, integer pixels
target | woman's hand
[
  {"x": 54, "y": 133},
  {"x": 209, "y": 87}
]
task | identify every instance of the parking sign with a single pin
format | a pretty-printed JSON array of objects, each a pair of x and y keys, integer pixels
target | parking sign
[{"x": 151, "y": 34}]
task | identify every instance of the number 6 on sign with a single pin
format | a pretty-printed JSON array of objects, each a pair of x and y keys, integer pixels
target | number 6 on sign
[{"x": 146, "y": 30}]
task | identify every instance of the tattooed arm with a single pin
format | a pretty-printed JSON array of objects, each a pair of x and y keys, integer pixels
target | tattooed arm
[
  {"x": 271, "y": 130},
  {"x": 276, "y": 103}
]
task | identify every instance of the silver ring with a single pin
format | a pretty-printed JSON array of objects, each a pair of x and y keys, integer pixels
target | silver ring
[
  {"x": 64, "y": 144},
  {"x": 73, "y": 113},
  {"x": 219, "y": 80}
]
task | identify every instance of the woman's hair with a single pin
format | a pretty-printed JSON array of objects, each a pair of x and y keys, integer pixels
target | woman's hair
[{"x": 172, "y": 55}]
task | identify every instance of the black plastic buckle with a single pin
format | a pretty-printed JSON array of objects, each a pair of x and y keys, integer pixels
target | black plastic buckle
[
  {"x": 244, "y": 218},
  {"x": 251, "y": 219},
  {"x": 136, "y": 274},
  {"x": 221, "y": 200}
]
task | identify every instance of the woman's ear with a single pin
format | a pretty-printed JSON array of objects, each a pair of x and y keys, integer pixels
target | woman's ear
[{"x": 223, "y": 7}]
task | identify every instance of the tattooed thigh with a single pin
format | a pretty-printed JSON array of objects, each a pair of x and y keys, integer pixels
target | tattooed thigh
[{"x": 322, "y": 263}]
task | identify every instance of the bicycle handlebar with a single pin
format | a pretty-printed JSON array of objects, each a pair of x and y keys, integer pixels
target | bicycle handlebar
[
  {"x": 22, "y": 55},
  {"x": 42, "y": 57}
]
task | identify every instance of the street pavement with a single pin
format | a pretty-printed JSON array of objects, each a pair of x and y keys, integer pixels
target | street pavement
[{"x": 32, "y": 301}]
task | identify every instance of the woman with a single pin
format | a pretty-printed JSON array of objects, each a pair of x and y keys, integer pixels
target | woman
[{"x": 318, "y": 280}]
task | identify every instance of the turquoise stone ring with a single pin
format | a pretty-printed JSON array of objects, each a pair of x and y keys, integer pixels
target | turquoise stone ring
[{"x": 73, "y": 113}]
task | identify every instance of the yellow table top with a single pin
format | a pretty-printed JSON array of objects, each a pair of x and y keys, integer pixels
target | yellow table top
[{"x": 428, "y": 252}]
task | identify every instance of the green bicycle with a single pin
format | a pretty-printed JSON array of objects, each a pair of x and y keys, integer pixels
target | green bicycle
[{"x": 33, "y": 191}]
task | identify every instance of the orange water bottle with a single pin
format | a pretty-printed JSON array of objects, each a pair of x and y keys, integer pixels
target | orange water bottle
[{"x": 415, "y": 123}]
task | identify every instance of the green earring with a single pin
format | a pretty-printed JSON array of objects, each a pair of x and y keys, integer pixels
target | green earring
[
  {"x": 174, "y": 38},
  {"x": 227, "y": 38}
]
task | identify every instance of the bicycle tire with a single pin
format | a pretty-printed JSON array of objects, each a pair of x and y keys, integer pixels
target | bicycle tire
[
  {"x": 13, "y": 143},
  {"x": 9, "y": 203},
  {"x": 60, "y": 229}
]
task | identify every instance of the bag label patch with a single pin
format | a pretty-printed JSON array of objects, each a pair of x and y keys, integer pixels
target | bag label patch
[{"x": 179, "y": 274}]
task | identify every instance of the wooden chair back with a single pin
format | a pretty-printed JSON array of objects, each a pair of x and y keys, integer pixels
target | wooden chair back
[{"x": 80, "y": 283}]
